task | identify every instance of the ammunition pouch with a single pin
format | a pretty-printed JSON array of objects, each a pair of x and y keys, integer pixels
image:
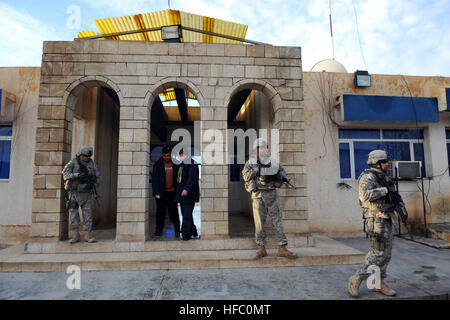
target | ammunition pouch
[
  {"x": 377, "y": 243},
  {"x": 375, "y": 229}
]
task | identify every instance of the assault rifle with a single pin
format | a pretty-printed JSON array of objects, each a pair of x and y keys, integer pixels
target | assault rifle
[
  {"x": 288, "y": 183},
  {"x": 274, "y": 176},
  {"x": 396, "y": 204},
  {"x": 88, "y": 181}
]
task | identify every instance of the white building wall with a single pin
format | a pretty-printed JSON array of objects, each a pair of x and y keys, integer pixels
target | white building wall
[{"x": 335, "y": 210}]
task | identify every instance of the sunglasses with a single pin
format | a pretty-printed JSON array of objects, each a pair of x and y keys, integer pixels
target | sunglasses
[{"x": 384, "y": 161}]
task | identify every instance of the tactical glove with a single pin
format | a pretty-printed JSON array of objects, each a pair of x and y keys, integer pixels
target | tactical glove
[{"x": 383, "y": 190}]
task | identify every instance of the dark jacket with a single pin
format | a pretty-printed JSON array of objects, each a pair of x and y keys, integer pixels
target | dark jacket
[
  {"x": 159, "y": 177},
  {"x": 189, "y": 182}
]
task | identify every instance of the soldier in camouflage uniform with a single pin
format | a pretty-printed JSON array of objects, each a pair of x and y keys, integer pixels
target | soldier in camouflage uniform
[
  {"x": 81, "y": 178},
  {"x": 262, "y": 176},
  {"x": 378, "y": 220}
]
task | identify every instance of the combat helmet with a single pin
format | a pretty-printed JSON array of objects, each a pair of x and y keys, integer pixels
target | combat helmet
[
  {"x": 375, "y": 156},
  {"x": 260, "y": 143},
  {"x": 86, "y": 151}
]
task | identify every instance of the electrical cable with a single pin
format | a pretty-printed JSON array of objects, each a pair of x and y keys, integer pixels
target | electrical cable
[
  {"x": 359, "y": 39},
  {"x": 424, "y": 197}
]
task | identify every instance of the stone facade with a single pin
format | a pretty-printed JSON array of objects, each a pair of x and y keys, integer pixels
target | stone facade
[{"x": 137, "y": 72}]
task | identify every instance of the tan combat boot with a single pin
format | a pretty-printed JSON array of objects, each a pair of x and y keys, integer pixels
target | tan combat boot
[
  {"x": 89, "y": 237},
  {"x": 353, "y": 285},
  {"x": 76, "y": 237},
  {"x": 385, "y": 290},
  {"x": 283, "y": 252},
  {"x": 260, "y": 253}
]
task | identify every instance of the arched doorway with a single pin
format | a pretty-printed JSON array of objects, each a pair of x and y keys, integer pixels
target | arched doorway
[
  {"x": 248, "y": 108},
  {"x": 95, "y": 121},
  {"x": 173, "y": 106}
]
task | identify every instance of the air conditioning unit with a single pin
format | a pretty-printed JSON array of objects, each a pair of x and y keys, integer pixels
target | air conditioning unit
[
  {"x": 405, "y": 170},
  {"x": 7, "y": 104}
]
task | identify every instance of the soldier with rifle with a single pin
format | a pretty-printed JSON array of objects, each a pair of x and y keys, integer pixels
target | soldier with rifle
[
  {"x": 81, "y": 179},
  {"x": 262, "y": 176},
  {"x": 380, "y": 202}
]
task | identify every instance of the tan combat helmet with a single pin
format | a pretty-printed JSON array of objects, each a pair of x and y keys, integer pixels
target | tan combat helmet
[{"x": 375, "y": 156}]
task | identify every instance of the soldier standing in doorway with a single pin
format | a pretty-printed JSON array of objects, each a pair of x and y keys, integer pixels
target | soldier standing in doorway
[
  {"x": 81, "y": 180},
  {"x": 374, "y": 188},
  {"x": 262, "y": 184}
]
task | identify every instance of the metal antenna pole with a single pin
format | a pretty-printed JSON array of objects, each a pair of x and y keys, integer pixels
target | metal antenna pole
[
  {"x": 331, "y": 28},
  {"x": 168, "y": 3}
]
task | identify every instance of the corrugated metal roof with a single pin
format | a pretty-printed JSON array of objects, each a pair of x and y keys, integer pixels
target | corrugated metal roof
[
  {"x": 166, "y": 18},
  {"x": 169, "y": 94}
]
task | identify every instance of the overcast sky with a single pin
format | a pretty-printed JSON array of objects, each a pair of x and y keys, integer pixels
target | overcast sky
[{"x": 397, "y": 36}]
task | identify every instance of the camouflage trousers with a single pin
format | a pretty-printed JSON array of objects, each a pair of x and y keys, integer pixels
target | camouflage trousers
[
  {"x": 85, "y": 201},
  {"x": 267, "y": 203},
  {"x": 377, "y": 255}
]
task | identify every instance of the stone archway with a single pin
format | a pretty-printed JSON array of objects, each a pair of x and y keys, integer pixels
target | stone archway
[
  {"x": 95, "y": 122},
  {"x": 54, "y": 149},
  {"x": 251, "y": 106},
  {"x": 165, "y": 117}
]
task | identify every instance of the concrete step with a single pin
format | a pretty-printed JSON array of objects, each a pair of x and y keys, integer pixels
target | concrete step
[
  {"x": 326, "y": 251},
  {"x": 42, "y": 246},
  {"x": 439, "y": 231}
]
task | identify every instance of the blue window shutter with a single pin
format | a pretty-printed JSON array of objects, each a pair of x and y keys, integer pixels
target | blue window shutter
[{"x": 389, "y": 108}]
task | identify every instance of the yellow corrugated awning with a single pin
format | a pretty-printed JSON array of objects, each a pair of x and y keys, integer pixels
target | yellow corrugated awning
[
  {"x": 169, "y": 94},
  {"x": 167, "y": 18}
]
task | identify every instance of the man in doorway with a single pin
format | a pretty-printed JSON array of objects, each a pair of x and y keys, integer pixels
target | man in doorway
[
  {"x": 261, "y": 182},
  {"x": 378, "y": 213},
  {"x": 188, "y": 193},
  {"x": 164, "y": 181},
  {"x": 81, "y": 180}
]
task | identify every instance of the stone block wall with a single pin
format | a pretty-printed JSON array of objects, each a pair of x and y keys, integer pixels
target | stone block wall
[{"x": 137, "y": 71}]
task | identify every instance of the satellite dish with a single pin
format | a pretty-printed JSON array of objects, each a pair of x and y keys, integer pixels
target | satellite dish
[{"x": 329, "y": 65}]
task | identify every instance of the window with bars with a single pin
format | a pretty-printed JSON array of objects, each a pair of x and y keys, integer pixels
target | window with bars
[{"x": 356, "y": 144}]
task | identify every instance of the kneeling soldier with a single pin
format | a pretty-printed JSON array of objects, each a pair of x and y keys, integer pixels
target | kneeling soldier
[
  {"x": 81, "y": 178},
  {"x": 262, "y": 184}
]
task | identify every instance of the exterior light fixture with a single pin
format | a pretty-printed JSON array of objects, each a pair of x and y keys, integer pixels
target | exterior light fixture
[
  {"x": 362, "y": 78},
  {"x": 171, "y": 33}
]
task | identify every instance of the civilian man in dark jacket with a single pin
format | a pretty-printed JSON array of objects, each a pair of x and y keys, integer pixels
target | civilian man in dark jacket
[
  {"x": 187, "y": 194},
  {"x": 164, "y": 182}
]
